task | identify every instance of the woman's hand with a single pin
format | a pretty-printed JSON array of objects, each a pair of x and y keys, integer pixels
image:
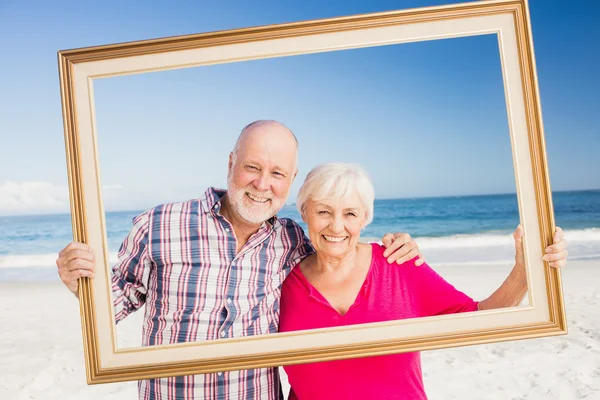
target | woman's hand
[{"x": 556, "y": 253}]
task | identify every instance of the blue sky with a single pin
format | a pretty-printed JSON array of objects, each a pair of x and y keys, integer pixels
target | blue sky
[{"x": 404, "y": 112}]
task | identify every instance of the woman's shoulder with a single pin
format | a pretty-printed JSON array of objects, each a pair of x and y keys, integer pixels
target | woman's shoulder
[
  {"x": 296, "y": 276},
  {"x": 391, "y": 270},
  {"x": 378, "y": 255}
]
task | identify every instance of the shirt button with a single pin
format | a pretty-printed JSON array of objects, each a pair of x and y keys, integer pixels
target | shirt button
[
  {"x": 226, "y": 229},
  {"x": 219, "y": 373},
  {"x": 223, "y": 334},
  {"x": 229, "y": 300}
]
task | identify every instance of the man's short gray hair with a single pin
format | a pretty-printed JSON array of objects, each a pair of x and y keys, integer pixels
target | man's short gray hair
[{"x": 336, "y": 180}]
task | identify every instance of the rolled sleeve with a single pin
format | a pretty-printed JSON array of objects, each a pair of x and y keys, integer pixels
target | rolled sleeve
[{"x": 130, "y": 275}]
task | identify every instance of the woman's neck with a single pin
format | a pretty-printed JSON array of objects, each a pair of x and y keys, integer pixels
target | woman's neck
[{"x": 325, "y": 264}]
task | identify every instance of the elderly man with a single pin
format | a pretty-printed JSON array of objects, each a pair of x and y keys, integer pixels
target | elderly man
[{"x": 213, "y": 267}]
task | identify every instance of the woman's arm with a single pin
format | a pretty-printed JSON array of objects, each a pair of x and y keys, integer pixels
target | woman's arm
[{"x": 514, "y": 288}]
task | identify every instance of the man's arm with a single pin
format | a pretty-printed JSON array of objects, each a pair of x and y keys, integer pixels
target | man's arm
[
  {"x": 300, "y": 245},
  {"x": 131, "y": 273},
  {"x": 129, "y": 276}
]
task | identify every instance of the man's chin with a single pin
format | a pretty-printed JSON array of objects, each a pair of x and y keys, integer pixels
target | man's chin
[{"x": 256, "y": 219}]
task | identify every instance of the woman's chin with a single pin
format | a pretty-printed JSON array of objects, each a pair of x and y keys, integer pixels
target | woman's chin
[{"x": 334, "y": 248}]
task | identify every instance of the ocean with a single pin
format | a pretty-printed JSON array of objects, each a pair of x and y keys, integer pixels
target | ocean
[{"x": 458, "y": 230}]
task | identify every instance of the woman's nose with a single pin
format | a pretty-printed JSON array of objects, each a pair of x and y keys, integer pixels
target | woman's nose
[{"x": 337, "y": 225}]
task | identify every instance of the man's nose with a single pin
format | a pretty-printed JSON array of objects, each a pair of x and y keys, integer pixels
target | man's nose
[{"x": 262, "y": 183}]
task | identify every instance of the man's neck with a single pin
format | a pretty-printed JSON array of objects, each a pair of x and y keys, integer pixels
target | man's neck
[{"x": 241, "y": 228}]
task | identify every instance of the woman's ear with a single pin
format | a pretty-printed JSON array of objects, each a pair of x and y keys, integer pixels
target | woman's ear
[
  {"x": 303, "y": 214},
  {"x": 364, "y": 222}
]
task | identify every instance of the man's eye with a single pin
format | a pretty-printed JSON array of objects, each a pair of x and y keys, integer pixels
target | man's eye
[{"x": 323, "y": 212}]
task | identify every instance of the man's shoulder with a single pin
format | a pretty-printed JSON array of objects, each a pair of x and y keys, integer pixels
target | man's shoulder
[
  {"x": 195, "y": 206},
  {"x": 290, "y": 231},
  {"x": 170, "y": 211},
  {"x": 288, "y": 225}
]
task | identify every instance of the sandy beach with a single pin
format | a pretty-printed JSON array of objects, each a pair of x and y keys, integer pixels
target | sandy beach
[{"x": 42, "y": 353}]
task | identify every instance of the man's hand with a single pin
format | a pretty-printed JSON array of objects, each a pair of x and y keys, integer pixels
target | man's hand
[
  {"x": 75, "y": 261},
  {"x": 400, "y": 247}
]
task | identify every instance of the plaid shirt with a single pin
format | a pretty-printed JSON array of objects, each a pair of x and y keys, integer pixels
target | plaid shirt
[{"x": 180, "y": 260}]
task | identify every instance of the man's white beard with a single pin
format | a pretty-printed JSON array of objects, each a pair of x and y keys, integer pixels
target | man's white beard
[{"x": 253, "y": 215}]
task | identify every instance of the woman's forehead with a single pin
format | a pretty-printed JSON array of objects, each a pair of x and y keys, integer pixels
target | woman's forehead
[{"x": 351, "y": 201}]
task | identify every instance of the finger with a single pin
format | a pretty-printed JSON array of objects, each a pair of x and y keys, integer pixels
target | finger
[
  {"x": 558, "y": 235},
  {"x": 391, "y": 251},
  {"x": 86, "y": 274},
  {"x": 518, "y": 233},
  {"x": 518, "y": 237},
  {"x": 80, "y": 265},
  {"x": 72, "y": 277},
  {"x": 75, "y": 264},
  {"x": 74, "y": 246},
  {"x": 388, "y": 238},
  {"x": 74, "y": 254},
  {"x": 420, "y": 261},
  {"x": 78, "y": 255},
  {"x": 402, "y": 251},
  {"x": 412, "y": 254},
  {"x": 556, "y": 256},
  {"x": 555, "y": 248}
]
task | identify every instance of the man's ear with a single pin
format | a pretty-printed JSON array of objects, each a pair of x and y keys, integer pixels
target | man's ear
[
  {"x": 230, "y": 166},
  {"x": 295, "y": 173}
]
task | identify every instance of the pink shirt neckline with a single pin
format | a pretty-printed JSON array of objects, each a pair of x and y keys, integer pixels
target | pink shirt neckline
[{"x": 316, "y": 294}]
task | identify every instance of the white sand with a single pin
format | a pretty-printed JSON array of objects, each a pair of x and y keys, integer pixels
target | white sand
[{"x": 42, "y": 356}]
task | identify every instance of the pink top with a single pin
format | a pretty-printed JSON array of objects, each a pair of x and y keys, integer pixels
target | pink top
[{"x": 390, "y": 292}]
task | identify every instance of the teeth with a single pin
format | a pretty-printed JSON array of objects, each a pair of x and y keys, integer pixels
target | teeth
[
  {"x": 258, "y": 199},
  {"x": 334, "y": 238}
]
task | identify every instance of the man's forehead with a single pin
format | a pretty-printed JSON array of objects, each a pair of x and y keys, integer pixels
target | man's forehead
[{"x": 283, "y": 164}]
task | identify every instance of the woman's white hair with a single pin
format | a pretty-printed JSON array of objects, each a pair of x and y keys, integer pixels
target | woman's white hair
[{"x": 334, "y": 181}]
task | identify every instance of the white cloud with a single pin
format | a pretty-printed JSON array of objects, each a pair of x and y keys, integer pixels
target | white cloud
[{"x": 33, "y": 198}]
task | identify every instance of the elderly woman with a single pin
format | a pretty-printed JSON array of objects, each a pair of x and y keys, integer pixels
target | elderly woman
[{"x": 346, "y": 282}]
